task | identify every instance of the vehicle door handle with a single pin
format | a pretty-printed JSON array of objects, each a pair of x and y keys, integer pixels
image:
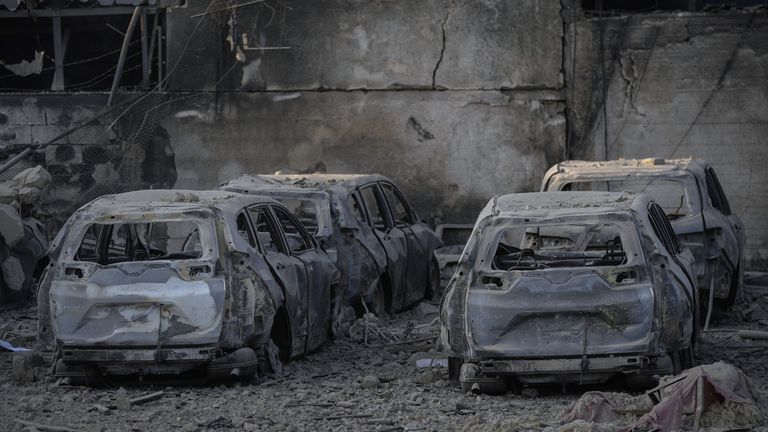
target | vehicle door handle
[{"x": 280, "y": 267}]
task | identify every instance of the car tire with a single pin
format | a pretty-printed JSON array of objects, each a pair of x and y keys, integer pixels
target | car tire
[
  {"x": 433, "y": 280},
  {"x": 336, "y": 315},
  {"x": 682, "y": 360},
  {"x": 454, "y": 368},
  {"x": 378, "y": 304}
]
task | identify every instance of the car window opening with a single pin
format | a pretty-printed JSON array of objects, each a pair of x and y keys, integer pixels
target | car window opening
[
  {"x": 565, "y": 245},
  {"x": 669, "y": 194},
  {"x": 146, "y": 241}
]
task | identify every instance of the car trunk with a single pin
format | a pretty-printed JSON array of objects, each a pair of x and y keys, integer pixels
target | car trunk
[
  {"x": 136, "y": 304},
  {"x": 558, "y": 312}
]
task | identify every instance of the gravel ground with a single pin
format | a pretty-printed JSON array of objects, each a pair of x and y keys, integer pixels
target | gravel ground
[{"x": 346, "y": 385}]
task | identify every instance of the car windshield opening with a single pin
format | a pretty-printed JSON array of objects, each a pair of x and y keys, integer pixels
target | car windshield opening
[
  {"x": 546, "y": 246},
  {"x": 305, "y": 210},
  {"x": 144, "y": 241},
  {"x": 669, "y": 194}
]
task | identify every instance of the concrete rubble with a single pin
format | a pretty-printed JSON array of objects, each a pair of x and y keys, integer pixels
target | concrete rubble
[
  {"x": 335, "y": 389},
  {"x": 23, "y": 238}
]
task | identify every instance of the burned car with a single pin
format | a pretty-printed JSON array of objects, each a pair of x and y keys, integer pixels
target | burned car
[
  {"x": 453, "y": 237},
  {"x": 569, "y": 288},
  {"x": 165, "y": 282},
  {"x": 382, "y": 248},
  {"x": 693, "y": 199}
]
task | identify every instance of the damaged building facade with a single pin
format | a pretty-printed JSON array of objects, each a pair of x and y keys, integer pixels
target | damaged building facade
[{"x": 455, "y": 101}]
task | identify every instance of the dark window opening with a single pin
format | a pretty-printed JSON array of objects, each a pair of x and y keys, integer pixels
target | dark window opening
[
  {"x": 151, "y": 241},
  {"x": 90, "y": 48},
  {"x": 663, "y": 229},
  {"x": 716, "y": 193}
]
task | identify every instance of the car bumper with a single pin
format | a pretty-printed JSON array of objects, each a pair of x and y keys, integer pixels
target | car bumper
[{"x": 584, "y": 370}]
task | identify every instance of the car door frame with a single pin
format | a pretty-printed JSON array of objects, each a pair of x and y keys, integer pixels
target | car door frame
[
  {"x": 283, "y": 265},
  {"x": 417, "y": 269},
  {"x": 396, "y": 239},
  {"x": 718, "y": 214},
  {"x": 320, "y": 272},
  {"x": 679, "y": 262}
]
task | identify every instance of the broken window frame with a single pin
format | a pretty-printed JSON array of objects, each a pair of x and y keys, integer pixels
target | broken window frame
[
  {"x": 399, "y": 197},
  {"x": 205, "y": 228},
  {"x": 715, "y": 191},
  {"x": 304, "y": 235},
  {"x": 273, "y": 230},
  {"x": 381, "y": 206},
  {"x": 663, "y": 229},
  {"x": 629, "y": 238},
  {"x": 150, "y": 29}
]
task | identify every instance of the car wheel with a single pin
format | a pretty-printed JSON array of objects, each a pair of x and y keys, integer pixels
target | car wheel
[
  {"x": 454, "y": 368},
  {"x": 336, "y": 316},
  {"x": 682, "y": 360},
  {"x": 433, "y": 281},
  {"x": 379, "y": 302}
]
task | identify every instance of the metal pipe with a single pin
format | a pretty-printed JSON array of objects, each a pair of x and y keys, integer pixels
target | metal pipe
[
  {"x": 123, "y": 53},
  {"x": 14, "y": 160}
]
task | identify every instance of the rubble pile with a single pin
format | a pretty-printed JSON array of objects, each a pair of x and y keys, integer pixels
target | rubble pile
[
  {"x": 346, "y": 385},
  {"x": 23, "y": 240},
  {"x": 716, "y": 395}
]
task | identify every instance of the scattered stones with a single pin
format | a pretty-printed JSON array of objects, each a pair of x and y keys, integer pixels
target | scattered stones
[
  {"x": 370, "y": 381},
  {"x": 11, "y": 228},
  {"x": 24, "y": 366},
  {"x": 429, "y": 376}
]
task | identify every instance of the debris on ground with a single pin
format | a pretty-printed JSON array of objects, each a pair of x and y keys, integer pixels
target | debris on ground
[
  {"x": 25, "y": 366},
  {"x": 714, "y": 395}
]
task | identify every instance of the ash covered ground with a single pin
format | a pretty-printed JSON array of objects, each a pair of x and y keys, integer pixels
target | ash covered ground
[{"x": 365, "y": 381}]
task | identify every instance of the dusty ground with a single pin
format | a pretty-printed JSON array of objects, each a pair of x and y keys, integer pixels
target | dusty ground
[{"x": 346, "y": 385}]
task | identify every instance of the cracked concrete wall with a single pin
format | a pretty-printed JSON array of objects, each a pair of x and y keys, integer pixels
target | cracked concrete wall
[
  {"x": 354, "y": 44},
  {"x": 449, "y": 151},
  {"x": 677, "y": 85},
  {"x": 456, "y": 101}
]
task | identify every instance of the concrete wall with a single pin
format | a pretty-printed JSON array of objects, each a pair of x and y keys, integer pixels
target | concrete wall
[
  {"x": 449, "y": 151},
  {"x": 456, "y": 102},
  {"x": 677, "y": 85}
]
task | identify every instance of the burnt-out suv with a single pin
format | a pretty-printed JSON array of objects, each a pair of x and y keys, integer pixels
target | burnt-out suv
[
  {"x": 167, "y": 282},
  {"x": 693, "y": 199},
  {"x": 569, "y": 288},
  {"x": 384, "y": 251}
]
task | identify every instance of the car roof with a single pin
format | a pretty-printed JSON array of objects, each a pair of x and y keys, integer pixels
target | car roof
[
  {"x": 638, "y": 167},
  {"x": 303, "y": 181},
  {"x": 169, "y": 200},
  {"x": 553, "y": 204}
]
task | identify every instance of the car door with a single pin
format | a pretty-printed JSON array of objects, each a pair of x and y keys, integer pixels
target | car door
[
  {"x": 733, "y": 235},
  {"x": 320, "y": 273},
  {"x": 393, "y": 240},
  {"x": 418, "y": 252},
  {"x": 289, "y": 270},
  {"x": 364, "y": 257},
  {"x": 680, "y": 298}
]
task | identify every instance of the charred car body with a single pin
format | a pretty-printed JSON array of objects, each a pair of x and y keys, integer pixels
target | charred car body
[
  {"x": 691, "y": 195},
  {"x": 383, "y": 250},
  {"x": 166, "y": 282},
  {"x": 569, "y": 288}
]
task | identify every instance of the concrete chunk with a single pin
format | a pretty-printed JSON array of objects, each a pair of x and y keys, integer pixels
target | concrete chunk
[
  {"x": 11, "y": 227},
  {"x": 36, "y": 177}
]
